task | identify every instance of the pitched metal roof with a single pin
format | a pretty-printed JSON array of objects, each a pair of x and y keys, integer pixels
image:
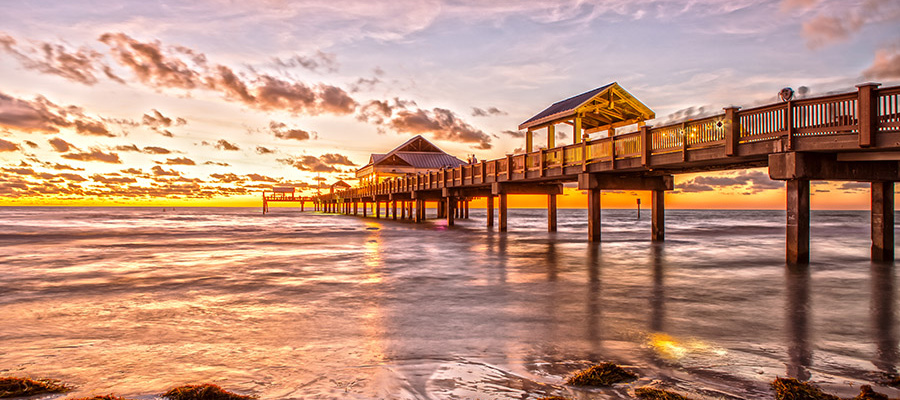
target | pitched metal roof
[
  {"x": 429, "y": 160},
  {"x": 564, "y": 106},
  {"x": 433, "y": 158}
]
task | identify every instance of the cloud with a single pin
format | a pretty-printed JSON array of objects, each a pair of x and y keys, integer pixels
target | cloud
[
  {"x": 160, "y": 171},
  {"x": 442, "y": 124},
  {"x": 308, "y": 163},
  {"x": 227, "y": 178},
  {"x": 886, "y": 64},
  {"x": 264, "y": 150},
  {"x": 751, "y": 180},
  {"x": 31, "y": 144},
  {"x": 180, "y": 161},
  {"x": 60, "y": 145},
  {"x": 81, "y": 65},
  {"x": 825, "y": 28},
  {"x": 515, "y": 134},
  {"x": 221, "y": 164},
  {"x": 159, "y": 66},
  {"x": 280, "y": 130},
  {"x": 62, "y": 167},
  {"x": 480, "y": 112},
  {"x": 130, "y": 147},
  {"x": 403, "y": 116},
  {"x": 158, "y": 122},
  {"x": 319, "y": 61},
  {"x": 223, "y": 144},
  {"x": 260, "y": 178},
  {"x": 113, "y": 178},
  {"x": 94, "y": 155},
  {"x": 336, "y": 159},
  {"x": 42, "y": 115},
  {"x": 156, "y": 150},
  {"x": 6, "y": 145}
]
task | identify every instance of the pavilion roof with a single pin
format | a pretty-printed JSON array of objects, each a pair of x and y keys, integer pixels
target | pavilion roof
[{"x": 609, "y": 105}]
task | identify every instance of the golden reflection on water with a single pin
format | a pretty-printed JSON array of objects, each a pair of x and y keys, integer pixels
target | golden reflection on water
[{"x": 675, "y": 349}]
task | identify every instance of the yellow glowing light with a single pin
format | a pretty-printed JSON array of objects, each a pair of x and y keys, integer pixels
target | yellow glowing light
[{"x": 671, "y": 348}]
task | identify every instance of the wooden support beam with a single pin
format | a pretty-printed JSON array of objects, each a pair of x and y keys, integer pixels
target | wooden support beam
[
  {"x": 403, "y": 210},
  {"x": 502, "y": 215},
  {"x": 394, "y": 210},
  {"x": 594, "y": 215},
  {"x": 646, "y": 145},
  {"x": 490, "y": 210},
  {"x": 450, "y": 204},
  {"x": 551, "y": 213},
  {"x": 868, "y": 113},
  {"x": 591, "y": 181},
  {"x": 529, "y": 140},
  {"x": 355, "y": 208},
  {"x": 576, "y": 130},
  {"x": 419, "y": 217},
  {"x": 732, "y": 131},
  {"x": 365, "y": 207},
  {"x": 377, "y": 209},
  {"x": 824, "y": 166},
  {"x": 526, "y": 188},
  {"x": 658, "y": 215},
  {"x": 797, "y": 235},
  {"x": 466, "y": 210},
  {"x": 882, "y": 221},
  {"x": 551, "y": 136}
]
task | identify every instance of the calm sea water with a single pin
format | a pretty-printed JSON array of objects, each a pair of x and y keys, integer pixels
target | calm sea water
[{"x": 134, "y": 301}]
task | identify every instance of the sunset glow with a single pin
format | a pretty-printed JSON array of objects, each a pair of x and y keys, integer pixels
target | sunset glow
[{"x": 210, "y": 103}]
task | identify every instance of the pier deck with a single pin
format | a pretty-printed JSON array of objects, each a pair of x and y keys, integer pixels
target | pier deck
[{"x": 847, "y": 137}]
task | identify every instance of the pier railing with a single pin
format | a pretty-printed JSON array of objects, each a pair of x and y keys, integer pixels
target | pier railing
[{"x": 811, "y": 124}]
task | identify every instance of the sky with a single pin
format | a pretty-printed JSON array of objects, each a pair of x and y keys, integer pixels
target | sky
[{"x": 211, "y": 102}]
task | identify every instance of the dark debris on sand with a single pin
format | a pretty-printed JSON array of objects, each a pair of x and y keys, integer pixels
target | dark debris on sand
[
  {"x": 605, "y": 374},
  {"x": 650, "y": 393},
  {"x": 792, "y": 389},
  {"x": 203, "y": 392},
  {"x": 104, "y": 397},
  {"x": 554, "y": 398},
  {"x": 22, "y": 387}
]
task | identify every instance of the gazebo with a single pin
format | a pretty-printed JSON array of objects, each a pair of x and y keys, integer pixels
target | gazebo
[{"x": 602, "y": 109}]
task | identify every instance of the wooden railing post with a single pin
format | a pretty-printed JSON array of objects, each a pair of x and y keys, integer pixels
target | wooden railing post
[
  {"x": 541, "y": 161},
  {"x": 789, "y": 123},
  {"x": 684, "y": 145},
  {"x": 509, "y": 166},
  {"x": 868, "y": 113},
  {"x": 646, "y": 145},
  {"x": 732, "y": 131}
]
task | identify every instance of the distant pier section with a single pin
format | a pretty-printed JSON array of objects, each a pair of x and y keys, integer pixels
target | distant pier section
[{"x": 852, "y": 136}]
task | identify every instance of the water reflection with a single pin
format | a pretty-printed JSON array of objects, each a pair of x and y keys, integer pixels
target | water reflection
[
  {"x": 594, "y": 300},
  {"x": 658, "y": 296},
  {"x": 799, "y": 352},
  {"x": 883, "y": 318}
]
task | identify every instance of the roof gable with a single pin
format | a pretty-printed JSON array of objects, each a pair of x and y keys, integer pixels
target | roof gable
[
  {"x": 608, "y": 105},
  {"x": 416, "y": 152}
]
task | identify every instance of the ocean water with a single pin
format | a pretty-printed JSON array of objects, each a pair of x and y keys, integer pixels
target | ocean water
[{"x": 291, "y": 305}]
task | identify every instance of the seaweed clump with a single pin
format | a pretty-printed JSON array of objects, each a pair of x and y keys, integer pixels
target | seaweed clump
[
  {"x": 649, "y": 393},
  {"x": 203, "y": 392},
  {"x": 866, "y": 393},
  {"x": 103, "y": 397},
  {"x": 792, "y": 389},
  {"x": 605, "y": 374},
  {"x": 21, "y": 387}
]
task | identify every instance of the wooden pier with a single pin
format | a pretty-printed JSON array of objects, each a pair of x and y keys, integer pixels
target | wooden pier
[{"x": 844, "y": 137}]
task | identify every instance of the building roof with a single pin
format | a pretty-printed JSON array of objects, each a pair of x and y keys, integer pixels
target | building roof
[
  {"x": 340, "y": 183},
  {"x": 416, "y": 152},
  {"x": 609, "y": 104}
]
